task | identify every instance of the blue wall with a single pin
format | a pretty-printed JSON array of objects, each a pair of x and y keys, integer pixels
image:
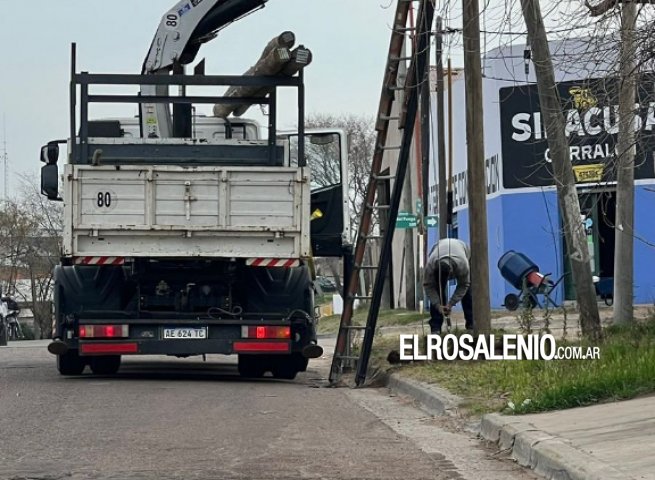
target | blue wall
[
  {"x": 529, "y": 223},
  {"x": 644, "y": 253}
]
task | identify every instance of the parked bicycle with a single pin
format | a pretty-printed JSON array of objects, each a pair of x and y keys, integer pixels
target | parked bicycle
[{"x": 11, "y": 327}]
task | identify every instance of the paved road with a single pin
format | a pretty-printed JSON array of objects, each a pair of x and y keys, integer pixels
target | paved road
[{"x": 167, "y": 418}]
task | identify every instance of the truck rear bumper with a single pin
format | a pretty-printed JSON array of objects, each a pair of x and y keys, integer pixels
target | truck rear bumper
[{"x": 183, "y": 347}]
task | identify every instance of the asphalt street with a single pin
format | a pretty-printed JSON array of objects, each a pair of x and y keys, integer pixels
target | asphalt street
[{"x": 174, "y": 418}]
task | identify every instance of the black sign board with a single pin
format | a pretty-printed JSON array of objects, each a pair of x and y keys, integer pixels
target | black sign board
[{"x": 590, "y": 110}]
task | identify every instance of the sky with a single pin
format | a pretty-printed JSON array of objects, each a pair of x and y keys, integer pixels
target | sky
[{"x": 349, "y": 40}]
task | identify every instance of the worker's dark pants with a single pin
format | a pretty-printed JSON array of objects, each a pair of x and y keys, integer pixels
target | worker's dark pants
[{"x": 436, "y": 318}]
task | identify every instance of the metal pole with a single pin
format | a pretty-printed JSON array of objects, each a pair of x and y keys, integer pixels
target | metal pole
[
  {"x": 73, "y": 103},
  {"x": 272, "y": 128},
  {"x": 301, "y": 120}
]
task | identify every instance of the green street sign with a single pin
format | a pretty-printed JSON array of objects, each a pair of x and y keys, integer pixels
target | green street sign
[
  {"x": 406, "y": 220},
  {"x": 432, "y": 221}
]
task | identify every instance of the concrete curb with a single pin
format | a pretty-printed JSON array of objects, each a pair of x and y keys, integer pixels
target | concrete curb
[
  {"x": 433, "y": 398},
  {"x": 550, "y": 456}
]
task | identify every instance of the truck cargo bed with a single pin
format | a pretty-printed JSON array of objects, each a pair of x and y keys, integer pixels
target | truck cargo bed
[{"x": 177, "y": 211}]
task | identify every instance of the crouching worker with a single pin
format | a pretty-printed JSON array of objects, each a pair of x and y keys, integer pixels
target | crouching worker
[{"x": 449, "y": 259}]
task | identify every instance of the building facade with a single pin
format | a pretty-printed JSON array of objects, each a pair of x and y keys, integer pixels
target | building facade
[{"x": 523, "y": 214}]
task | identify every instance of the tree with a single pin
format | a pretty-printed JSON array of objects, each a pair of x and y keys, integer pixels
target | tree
[
  {"x": 30, "y": 238},
  {"x": 625, "y": 163},
  {"x": 551, "y": 108}
]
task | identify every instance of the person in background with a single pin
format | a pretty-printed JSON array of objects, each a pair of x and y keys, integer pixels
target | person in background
[{"x": 449, "y": 259}]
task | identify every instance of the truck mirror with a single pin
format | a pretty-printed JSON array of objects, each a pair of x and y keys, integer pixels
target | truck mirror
[
  {"x": 50, "y": 153},
  {"x": 50, "y": 181}
]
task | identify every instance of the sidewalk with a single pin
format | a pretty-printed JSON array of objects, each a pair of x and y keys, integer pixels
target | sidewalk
[
  {"x": 608, "y": 441},
  {"x": 612, "y": 441}
]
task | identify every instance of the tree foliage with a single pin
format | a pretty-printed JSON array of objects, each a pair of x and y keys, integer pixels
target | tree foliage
[{"x": 30, "y": 247}]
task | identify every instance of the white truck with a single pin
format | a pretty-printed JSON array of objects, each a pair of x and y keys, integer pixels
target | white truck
[{"x": 189, "y": 235}]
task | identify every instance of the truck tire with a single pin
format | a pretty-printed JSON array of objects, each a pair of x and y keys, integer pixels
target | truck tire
[
  {"x": 81, "y": 288},
  {"x": 70, "y": 363},
  {"x": 278, "y": 289},
  {"x": 105, "y": 365},
  {"x": 287, "y": 367},
  {"x": 252, "y": 366},
  {"x": 90, "y": 287}
]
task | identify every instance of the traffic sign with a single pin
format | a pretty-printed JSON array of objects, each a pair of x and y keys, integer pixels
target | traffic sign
[
  {"x": 406, "y": 220},
  {"x": 432, "y": 221}
]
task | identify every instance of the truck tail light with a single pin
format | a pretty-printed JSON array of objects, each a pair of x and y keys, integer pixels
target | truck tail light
[
  {"x": 108, "y": 348},
  {"x": 104, "y": 331},
  {"x": 263, "y": 332},
  {"x": 260, "y": 347}
]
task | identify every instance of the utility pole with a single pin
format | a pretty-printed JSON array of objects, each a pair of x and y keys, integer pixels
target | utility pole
[
  {"x": 5, "y": 161},
  {"x": 410, "y": 259},
  {"x": 408, "y": 202},
  {"x": 449, "y": 191},
  {"x": 441, "y": 133},
  {"x": 477, "y": 186},
  {"x": 625, "y": 171},
  {"x": 551, "y": 111},
  {"x": 425, "y": 170}
]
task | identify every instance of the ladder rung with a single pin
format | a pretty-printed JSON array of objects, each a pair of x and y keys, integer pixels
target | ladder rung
[
  {"x": 367, "y": 267},
  {"x": 393, "y": 147},
  {"x": 387, "y": 118},
  {"x": 400, "y": 59},
  {"x": 373, "y": 237},
  {"x": 346, "y": 357},
  {"x": 354, "y": 327},
  {"x": 378, "y": 207},
  {"x": 383, "y": 177},
  {"x": 397, "y": 87},
  {"x": 361, "y": 297}
]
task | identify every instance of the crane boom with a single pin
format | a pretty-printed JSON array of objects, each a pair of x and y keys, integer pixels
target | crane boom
[{"x": 181, "y": 32}]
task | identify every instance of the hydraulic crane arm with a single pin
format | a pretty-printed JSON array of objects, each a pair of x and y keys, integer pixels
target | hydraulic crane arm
[
  {"x": 189, "y": 24},
  {"x": 182, "y": 30}
]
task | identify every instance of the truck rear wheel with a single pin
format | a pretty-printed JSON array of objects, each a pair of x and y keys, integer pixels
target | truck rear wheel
[
  {"x": 287, "y": 367},
  {"x": 70, "y": 363},
  {"x": 251, "y": 366},
  {"x": 105, "y": 365}
]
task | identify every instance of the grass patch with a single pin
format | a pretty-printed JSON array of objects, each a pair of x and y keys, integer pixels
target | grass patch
[
  {"x": 625, "y": 369},
  {"x": 324, "y": 299},
  {"x": 386, "y": 318}
]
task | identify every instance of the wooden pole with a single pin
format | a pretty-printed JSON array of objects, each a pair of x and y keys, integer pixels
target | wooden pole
[
  {"x": 441, "y": 134},
  {"x": 449, "y": 192},
  {"x": 477, "y": 186},
  {"x": 625, "y": 171}
]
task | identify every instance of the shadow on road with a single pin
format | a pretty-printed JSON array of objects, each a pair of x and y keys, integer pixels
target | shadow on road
[{"x": 190, "y": 372}]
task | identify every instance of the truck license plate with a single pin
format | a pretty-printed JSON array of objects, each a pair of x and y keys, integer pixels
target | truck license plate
[{"x": 185, "y": 333}]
